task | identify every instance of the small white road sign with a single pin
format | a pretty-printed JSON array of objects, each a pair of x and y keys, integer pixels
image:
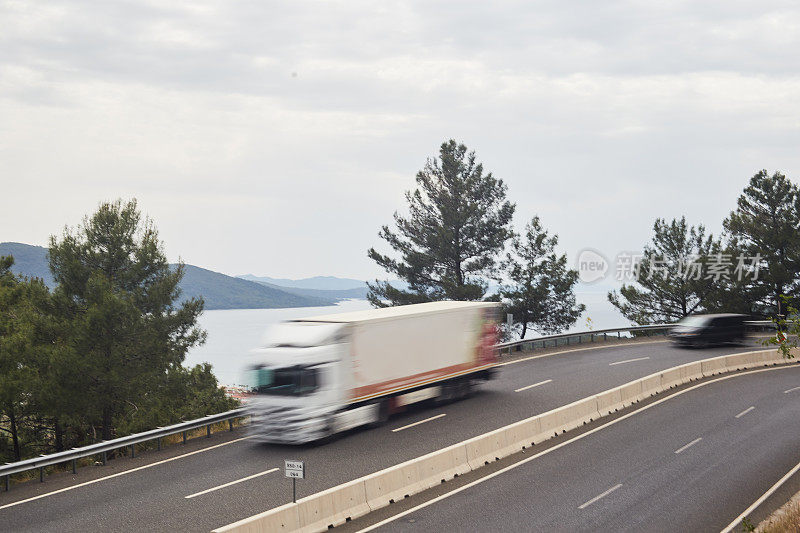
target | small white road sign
[{"x": 294, "y": 469}]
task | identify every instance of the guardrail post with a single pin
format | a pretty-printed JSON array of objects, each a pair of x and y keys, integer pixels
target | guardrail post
[
  {"x": 208, "y": 430},
  {"x": 133, "y": 450},
  {"x": 8, "y": 483},
  {"x": 619, "y": 334},
  {"x": 105, "y": 458},
  {"x": 184, "y": 437},
  {"x": 592, "y": 336},
  {"x": 41, "y": 474},
  {"x": 605, "y": 337},
  {"x": 230, "y": 424},
  {"x": 74, "y": 466},
  {"x": 159, "y": 443}
]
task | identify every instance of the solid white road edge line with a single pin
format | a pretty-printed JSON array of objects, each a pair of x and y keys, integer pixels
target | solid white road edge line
[
  {"x": 532, "y": 386},
  {"x": 738, "y": 520},
  {"x": 791, "y": 390},
  {"x": 617, "y": 345},
  {"x": 628, "y": 361},
  {"x": 600, "y": 496},
  {"x": 65, "y": 489},
  {"x": 695, "y": 441},
  {"x": 231, "y": 483},
  {"x": 562, "y": 444},
  {"x": 740, "y": 415},
  {"x": 418, "y": 423}
]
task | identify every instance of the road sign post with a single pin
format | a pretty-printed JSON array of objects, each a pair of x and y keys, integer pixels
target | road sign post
[{"x": 295, "y": 470}]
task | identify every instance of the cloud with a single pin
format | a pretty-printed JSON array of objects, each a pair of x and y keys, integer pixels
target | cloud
[{"x": 276, "y": 137}]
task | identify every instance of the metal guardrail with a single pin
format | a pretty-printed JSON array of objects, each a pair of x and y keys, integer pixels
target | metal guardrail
[
  {"x": 102, "y": 448},
  {"x": 567, "y": 339}
]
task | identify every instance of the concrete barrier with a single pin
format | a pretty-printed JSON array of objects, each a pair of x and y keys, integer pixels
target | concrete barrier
[
  {"x": 485, "y": 448},
  {"x": 576, "y": 414},
  {"x": 609, "y": 401},
  {"x": 651, "y": 385},
  {"x": 333, "y": 506},
  {"x": 714, "y": 366},
  {"x": 392, "y": 484},
  {"x": 631, "y": 393},
  {"x": 283, "y": 518},
  {"x": 443, "y": 465},
  {"x": 691, "y": 371},
  {"x": 353, "y": 499},
  {"x": 521, "y": 434},
  {"x": 671, "y": 378}
]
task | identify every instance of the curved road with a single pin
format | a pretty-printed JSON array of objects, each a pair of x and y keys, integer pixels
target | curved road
[
  {"x": 228, "y": 477},
  {"x": 692, "y": 462}
]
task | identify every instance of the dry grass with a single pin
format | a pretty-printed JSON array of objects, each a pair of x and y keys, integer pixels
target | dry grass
[{"x": 785, "y": 520}]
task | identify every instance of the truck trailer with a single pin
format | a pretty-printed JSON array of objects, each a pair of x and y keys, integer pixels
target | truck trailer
[{"x": 318, "y": 376}]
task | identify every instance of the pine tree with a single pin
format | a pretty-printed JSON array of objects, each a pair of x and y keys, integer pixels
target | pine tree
[
  {"x": 665, "y": 289},
  {"x": 119, "y": 296},
  {"x": 25, "y": 344},
  {"x": 541, "y": 293},
  {"x": 458, "y": 223},
  {"x": 766, "y": 222}
]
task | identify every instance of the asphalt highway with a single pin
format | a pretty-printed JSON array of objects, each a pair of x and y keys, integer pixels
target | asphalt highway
[
  {"x": 693, "y": 462},
  {"x": 228, "y": 477}
]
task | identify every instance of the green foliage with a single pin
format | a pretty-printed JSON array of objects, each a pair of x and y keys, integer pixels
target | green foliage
[
  {"x": 26, "y": 345},
  {"x": 767, "y": 222},
  {"x": 105, "y": 349},
  {"x": 787, "y": 330},
  {"x": 118, "y": 291},
  {"x": 541, "y": 295},
  {"x": 458, "y": 223},
  {"x": 664, "y": 291},
  {"x": 747, "y": 525}
]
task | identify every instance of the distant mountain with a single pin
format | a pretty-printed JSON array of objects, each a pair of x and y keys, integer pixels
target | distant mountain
[
  {"x": 29, "y": 261},
  {"x": 218, "y": 290},
  {"x": 326, "y": 283},
  {"x": 359, "y": 293},
  {"x": 226, "y": 292}
]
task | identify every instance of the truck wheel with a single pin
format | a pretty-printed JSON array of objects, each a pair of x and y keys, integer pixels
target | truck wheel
[
  {"x": 383, "y": 414},
  {"x": 448, "y": 394}
]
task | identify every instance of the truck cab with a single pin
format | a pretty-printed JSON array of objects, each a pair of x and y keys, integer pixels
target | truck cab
[{"x": 296, "y": 383}]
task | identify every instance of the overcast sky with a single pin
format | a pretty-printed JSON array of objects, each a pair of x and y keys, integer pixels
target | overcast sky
[{"x": 275, "y": 138}]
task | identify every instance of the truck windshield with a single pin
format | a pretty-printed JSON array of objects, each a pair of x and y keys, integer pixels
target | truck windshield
[{"x": 291, "y": 381}]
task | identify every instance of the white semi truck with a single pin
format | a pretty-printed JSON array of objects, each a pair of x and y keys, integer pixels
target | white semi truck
[{"x": 322, "y": 375}]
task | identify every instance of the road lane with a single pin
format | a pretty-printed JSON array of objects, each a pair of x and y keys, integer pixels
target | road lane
[
  {"x": 155, "y": 499},
  {"x": 654, "y": 489}
]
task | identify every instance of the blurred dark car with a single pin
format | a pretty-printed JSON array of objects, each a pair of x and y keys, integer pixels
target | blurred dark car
[{"x": 708, "y": 330}]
